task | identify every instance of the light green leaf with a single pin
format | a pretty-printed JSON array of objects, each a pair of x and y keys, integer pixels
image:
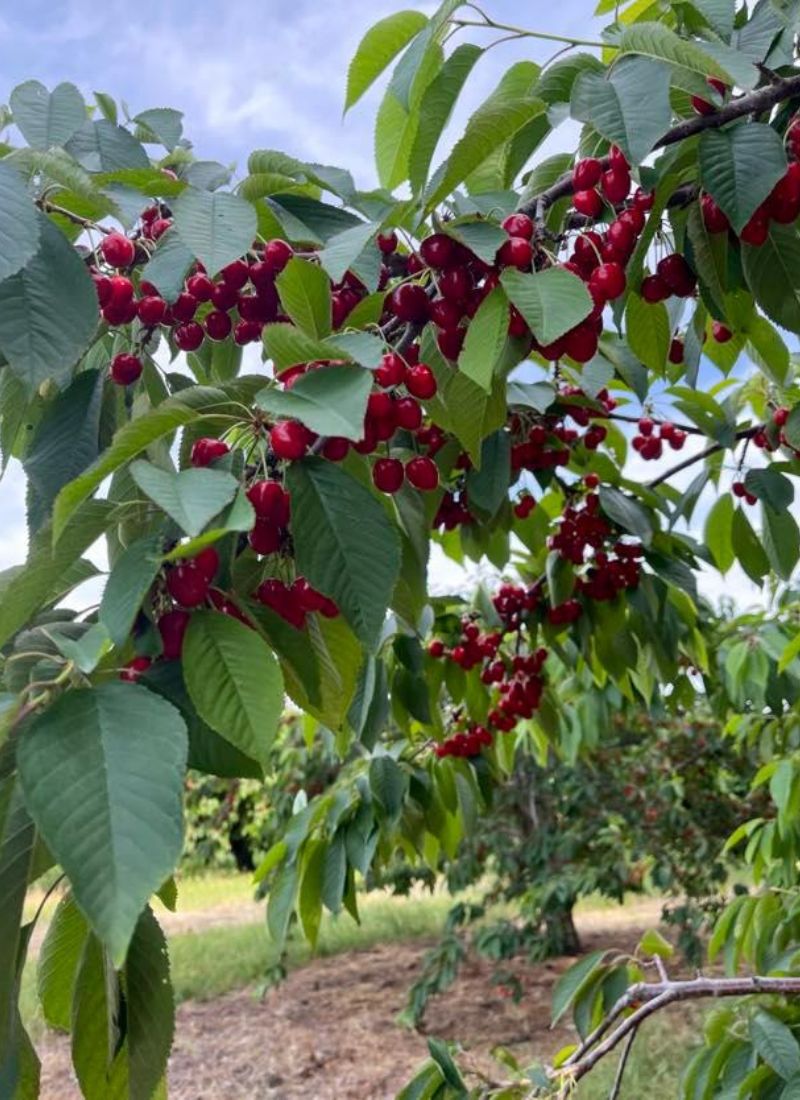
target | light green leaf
[
  {"x": 48, "y": 311},
  {"x": 330, "y": 400},
  {"x": 128, "y": 584},
  {"x": 103, "y": 147},
  {"x": 305, "y": 293},
  {"x": 571, "y": 981},
  {"x": 435, "y": 109},
  {"x": 480, "y": 237},
  {"x": 99, "y": 1064},
  {"x": 719, "y": 13},
  {"x": 740, "y": 166},
  {"x": 776, "y": 1044},
  {"x": 551, "y": 301},
  {"x": 234, "y": 681},
  {"x": 647, "y": 328},
  {"x": 380, "y": 44},
  {"x": 58, "y": 962},
  {"x": 191, "y": 497},
  {"x": 781, "y": 537},
  {"x": 615, "y": 107},
  {"x": 150, "y": 1006},
  {"x": 767, "y": 349},
  {"x": 653, "y": 943},
  {"x": 344, "y": 543},
  {"x": 19, "y": 225},
  {"x": 718, "y": 532},
  {"x": 309, "y": 897},
  {"x": 657, "y": 41},
  {"x": 215, "y": 226},
  {"x": 47, "y": 118},
  {"x": 486, "y": 339},
  {"x": 102, "y": 772}
]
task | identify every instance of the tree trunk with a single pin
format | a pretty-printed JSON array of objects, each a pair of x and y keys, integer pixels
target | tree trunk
[{"x": 562, "y": 935}]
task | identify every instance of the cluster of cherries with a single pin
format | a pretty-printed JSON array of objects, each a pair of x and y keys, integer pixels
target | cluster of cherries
[
  {"x": 516, "y": 679},
  {"x": 652, "y": 435}
]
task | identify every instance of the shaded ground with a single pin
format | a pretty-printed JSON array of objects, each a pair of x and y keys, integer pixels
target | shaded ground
[{"x": 330, "y": 1031}]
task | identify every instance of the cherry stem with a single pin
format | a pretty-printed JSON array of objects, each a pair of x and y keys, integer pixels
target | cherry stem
[
  {"x": 521, "y": 32},
  {"x": 85, "y": 223}
]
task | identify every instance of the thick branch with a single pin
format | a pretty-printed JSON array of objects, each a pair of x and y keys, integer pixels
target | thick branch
[
  {"x": 647, "y": 998},
  {"x": 753, "y": 102}
]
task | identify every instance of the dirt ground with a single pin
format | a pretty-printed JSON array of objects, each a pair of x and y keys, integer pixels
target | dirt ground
[{"x": 330, "y": 1032}]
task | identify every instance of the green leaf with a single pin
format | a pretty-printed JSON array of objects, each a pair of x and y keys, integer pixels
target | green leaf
[
  {"x": 65, "y": 442},
  {"x": 361, "y": 347},
  {"x": 150, "y": 1007},
  {"x": 47, "y": 118},
  {"x": 164, "y": 123},
  {"x": 653, "y": 943},
  {"x": 17, "y": 848},
  {"x": 330, "y": 401},
  {"x": 773, "y": 274},
  {"x": 281, "y": 902},
  {"x": 631, "y": 516},
  {"x": 191, "y": 497},
  {"x": 99, "y": 1064},
  {"x": 388, "y": 785},
  {"x": 341, "y": 251},
  {"x": 309, "y": 896},
  {"x": 488, "y": 486},
  {"x": 551, "y": 301},
  {"x": 657, "y": 41},
  {"x": 719, "y": 14},
  {"x": 479, "y": 237},
  {"x": 485, "y": 340},
  {"x": 792, "y": 1089},
  {"x": 781, "y": 537},
  {"x": 709, "y": 253},
  {"x": 102, "y": 772},
  {"x": 215, "y": 226},
  {"x": 718, "y": 532},
  {"x": 234, "y": 681},
  {"x": 19, "y": 225},
  {"x": 488, "y": 128},
  {"x": 571, "y": 981},
  {"x": 48, "y": 311},
  {"x": 132, "y": 438},
  {"x": 442, "y": 1058},
  {"x": 776, "y": 1044},
  {"x": 380, "y": 44},
  {"x": 46, "y": 574},
  {"x": 747, "y": 547},
  {"x": 531, "y": 395},
  {"x": 739, "y": 167},
  {"x": 647, "y": 328},
  {"x": 614, "y": 105},
  {"x": 102, "y": 146},
  {"x": 335, "y": 877},
  {"x": 128, "y": 584},
  {"x": 436, "y": 108},
  {"x": 770, "y": 486},
  {"x": 344, "y": 543},
  {"x": 305, "y": 293},
  {"x": 767, "y": 349},
  {"x": 58, "y": 962},
  {"x": 169, "y": 265}
]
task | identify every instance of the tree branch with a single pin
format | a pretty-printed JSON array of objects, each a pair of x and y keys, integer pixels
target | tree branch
[
  {"x": 744, "y": 433},
  {"x": 647, "y": 998},
  {"x": 623, "y": 1062},
  {"x": 762, "y": 99}
]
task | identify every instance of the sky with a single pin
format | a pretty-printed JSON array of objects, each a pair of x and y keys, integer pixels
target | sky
[{"x": 254, "y": 76}]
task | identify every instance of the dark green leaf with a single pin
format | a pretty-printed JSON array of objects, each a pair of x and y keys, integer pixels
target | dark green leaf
[
  {"x": 47, "y": 118},
  {"x": 305, "y": 292},
  {"x": 19, "y": 225},
  {"x": 191, "y": 497},
  {"x": 215, "y": 226},
  {"x": 629, "y": 513},
  {"x": 615, "y": 107},
  {"x": 330, "y": 401},
  {"x": 739, "y": 166},
  {"x": 128, "y": 584},
  {"x": 485, "y": 340}
]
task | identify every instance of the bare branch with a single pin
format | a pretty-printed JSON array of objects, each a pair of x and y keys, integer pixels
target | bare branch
[{"x": 623, "y": 1062}]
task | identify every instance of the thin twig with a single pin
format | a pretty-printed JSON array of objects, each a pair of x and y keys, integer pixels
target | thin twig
[
  {"x": 745, "y": 433},
  {"x": 623, "y": 1062}
]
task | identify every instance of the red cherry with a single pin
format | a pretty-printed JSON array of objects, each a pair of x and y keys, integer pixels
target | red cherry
[
  {"x": 646, "y": 426},
  {"x": 409, "y": 302},
  {"x": 207, "y": 450},
  {"x": 288, "y": 440},
  {"x": 580, "y": 343},
  {"x": 608, "y": 280},
  {"x": 335, "y": 448},
  {"x": 172, "y": 628},
  {"x": 586, "y": 174},
  {"x": 218, "y": 325},
  {"x": 446, "y": 314},
  {"x": 408, "y": 414},
  {"x": 616, "y": 184},
  {"x": 702, "y": 106},
  {"x": 739, "y": 489},
  {"x": 676, "y": 438},
  {"x": 654, "y": 289},
  {"x": 246, "y": 332},
  {"x": 261, "y": 275},
  {"x": 618, "y": 158},
  {"x": 676, "y": 273},
  {"x": 756, "y": 231},
  {"x": 117, "y": 250},
  {"x": 591, "y": 481},
  {"x": 517, "y": 325},
  {"x": 588, "y": 203},
  {"x": 518, "y": 225},
  {"x": 236, "y": 274},
  {"x": 438, "y": 251},
  {"x": 104, "y": 288},
  {"x": 187, "y": 584},
  {"x": 634, "y": 218},
  {"x": 387, "y": 243},
  {"x": 388, "y": 474},
  {"x": 151, "y": 311},
  {"x": 714, "y": 219},
  {"x": 721, "y": 333},
  {"x": 270, "y": 502},
  {"x": 392, "y": 371},
  {"x": 423, "y": 473},
  {"x": 207, "y": 562},
  {"x": 125, "y": 369},
  {"x": 644, "y": 200},
  {"x": 436, "y": 648},
  {"x": 224, "y": 297},
  {"x": 456, "y": 283},
  {"x": 516, "y": 252},
  {"x": 265, "y": 537},
  {"x": 783, "y": 204},
  {"x": 200, "y": 287},
  {"x": 780, "y": 416},
  {"x": 121, "y": 290},
  {"x": 133, "y": 670},
  {"x": 676, "y": 350},
  {"x": 189, "y": 337},
  {"x": 421, "y": 382},
  {"x": 621, "y": 236},
  {"x": 450, "y": 342},
  {"x": 277, "y": 254},
  {"x": 184, "y": 307},
  {"x": 159, "y": 227}
]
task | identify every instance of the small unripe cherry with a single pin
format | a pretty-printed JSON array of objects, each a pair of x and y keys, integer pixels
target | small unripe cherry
[
  {"x": 117, "y": 250},
  {"x": 189, "y": 337},
  {"x": 423, "y": 473},
  {"x": 125, "y": 369},
  {"x": 207, "y": 450},
  {"x": 388, "y": 475},
  {"x": 288, "y": 440},
  {"x": 518, "y": 225},
  {"x": 421, "y": 382}
]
